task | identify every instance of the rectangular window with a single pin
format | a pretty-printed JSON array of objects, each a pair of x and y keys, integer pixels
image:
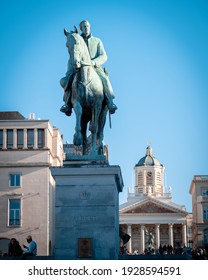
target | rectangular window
[
  {"x": 20, "y": 138},
  {"x": 41, "y": 138},
  {"x": 9, "y": 138},
  {"x": 1, "y": 138},
  {"x": 15, "y": 180},
  {"x": 14, "y": 212},
  {"x": 30, "y": 138},
  {"x": 205, "y": 193},
  {"x": 205, "y": 212}
]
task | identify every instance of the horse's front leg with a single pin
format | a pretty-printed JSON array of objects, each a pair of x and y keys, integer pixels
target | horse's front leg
[
  {"x": 77, "y": 135},
  {"x": 94, "y": 127},
  {"x": 101, "y": 124}
]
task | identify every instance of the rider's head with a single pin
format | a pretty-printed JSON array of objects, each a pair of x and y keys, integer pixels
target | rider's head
[{"x": 85, "y": 27}]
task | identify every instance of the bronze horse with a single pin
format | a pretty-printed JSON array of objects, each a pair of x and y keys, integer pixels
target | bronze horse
[{"x": 87, "y": 96}]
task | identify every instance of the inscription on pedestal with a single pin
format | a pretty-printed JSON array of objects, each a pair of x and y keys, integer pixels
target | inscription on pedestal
[{"x": 83, "y": 220}]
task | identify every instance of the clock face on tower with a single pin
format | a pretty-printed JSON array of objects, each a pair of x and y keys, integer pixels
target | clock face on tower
[{"x": 149, "y": 174}]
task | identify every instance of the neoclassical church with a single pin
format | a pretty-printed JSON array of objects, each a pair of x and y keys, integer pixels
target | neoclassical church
[{"x": 149, "y": 210}]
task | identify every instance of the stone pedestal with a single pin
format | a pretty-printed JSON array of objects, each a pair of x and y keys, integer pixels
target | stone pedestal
[{"x": 87, "y": 210}]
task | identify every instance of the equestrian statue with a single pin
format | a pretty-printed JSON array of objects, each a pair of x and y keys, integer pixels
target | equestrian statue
[{"x": 87, "y": 89}]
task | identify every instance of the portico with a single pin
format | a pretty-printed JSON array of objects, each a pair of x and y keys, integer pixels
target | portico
[{"x": 168, "y": 228}]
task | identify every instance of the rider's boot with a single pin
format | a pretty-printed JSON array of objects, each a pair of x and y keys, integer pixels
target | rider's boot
[
  {"x": 108, "y": 91},
  {"x": 112, "y": 107},
  {"x": 66, "y": 109}
]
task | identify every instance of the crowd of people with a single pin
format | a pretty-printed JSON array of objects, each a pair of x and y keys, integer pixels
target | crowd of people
[{"x": 198, "y": 253}]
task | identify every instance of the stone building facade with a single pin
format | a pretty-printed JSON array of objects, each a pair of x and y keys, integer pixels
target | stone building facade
[
  {"x": 28, "y": 148},
  {"x": 199, "y": 192}
]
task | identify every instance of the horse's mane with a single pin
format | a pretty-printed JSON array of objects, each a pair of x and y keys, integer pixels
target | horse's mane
[{"x": 80, "y": 40}]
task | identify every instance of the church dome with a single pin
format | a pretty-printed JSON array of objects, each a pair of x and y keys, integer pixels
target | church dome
[{"x": 148, "y": 159}]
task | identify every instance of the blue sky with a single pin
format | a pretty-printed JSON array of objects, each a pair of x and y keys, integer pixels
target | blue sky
[{"x": 158, "y": 66}]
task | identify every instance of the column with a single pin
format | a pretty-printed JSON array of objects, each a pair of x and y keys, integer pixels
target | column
[
  {"x": 25, "y": 139},
  {"x": 171, "y": 234},
  {"x": 129, "y": 244},
  {"x": 35, "y": 138},
  {"x": 157, "y": 236},
  {"x": 184, "y": 238},
  {"x": 4, "y": 139},
  {"x": 15, "y": 138},
  {"x": 142, "y": 238}
]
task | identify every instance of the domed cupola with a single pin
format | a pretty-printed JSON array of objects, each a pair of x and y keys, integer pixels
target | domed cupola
[
  {"x": 149, "y": 175},
  {"x": 148, "y": 159}
]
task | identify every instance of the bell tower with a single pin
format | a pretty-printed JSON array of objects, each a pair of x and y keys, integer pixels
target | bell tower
[{"x": 149, "y": 175}]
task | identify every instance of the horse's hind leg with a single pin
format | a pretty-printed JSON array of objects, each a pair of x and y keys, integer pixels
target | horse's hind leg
[{"x": 84, "y": 135}]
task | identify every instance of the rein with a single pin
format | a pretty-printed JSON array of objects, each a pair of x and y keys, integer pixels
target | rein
[
  {"x": 83, "y": 64},
  {"x": 85, "y": 84}
]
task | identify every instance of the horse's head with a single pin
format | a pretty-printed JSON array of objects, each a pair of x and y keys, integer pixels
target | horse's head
[{"x": 77, "y": 49}]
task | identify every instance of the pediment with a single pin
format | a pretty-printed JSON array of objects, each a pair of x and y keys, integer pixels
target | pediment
[{"x": 151, "y": 207}]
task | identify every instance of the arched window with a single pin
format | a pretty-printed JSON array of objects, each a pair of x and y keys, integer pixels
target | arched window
[{"x": 4, "y": 245}]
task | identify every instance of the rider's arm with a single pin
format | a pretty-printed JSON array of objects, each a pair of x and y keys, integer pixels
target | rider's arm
[{"x": 101, "y": 56}]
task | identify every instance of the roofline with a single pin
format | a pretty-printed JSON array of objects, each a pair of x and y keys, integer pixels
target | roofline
[
  {"x": 25, "y": 120},
  {"x": 196, "y": 179},
  {"x": 154, "y": 201}
]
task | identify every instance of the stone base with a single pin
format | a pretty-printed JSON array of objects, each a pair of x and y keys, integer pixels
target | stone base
[
  {"x": 78, "y": 160},
  {"x": 87, "y": 211},
  {"x": 84, "y": 158}
]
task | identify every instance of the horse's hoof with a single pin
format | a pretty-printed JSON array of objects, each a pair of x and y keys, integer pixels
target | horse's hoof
[
  {"x": 100, "y": 151},
  {"x": 77, "y": 140}
]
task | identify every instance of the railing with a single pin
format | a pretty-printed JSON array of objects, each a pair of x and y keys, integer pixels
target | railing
[{"x": 133, "y": 194}]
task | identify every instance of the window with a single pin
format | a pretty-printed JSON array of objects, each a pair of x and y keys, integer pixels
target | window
[
  {"x": 14, "y": 212},
  {"x": 20, "y": 138},
  {"x": 158, "y": 178},
  {"x": 1, "y": 138},
  {"x": 30, "y": 138},
  {"x": 140, "y": 177},
  {"x": 41, "y": 138},
  {"x": 15, "y": 180},
  {"x": 205, "y": 193},
  {"x": 9, "y": 138},
  {"x": 205, "y": 212},
  {"x": 206, "y": 236}
]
